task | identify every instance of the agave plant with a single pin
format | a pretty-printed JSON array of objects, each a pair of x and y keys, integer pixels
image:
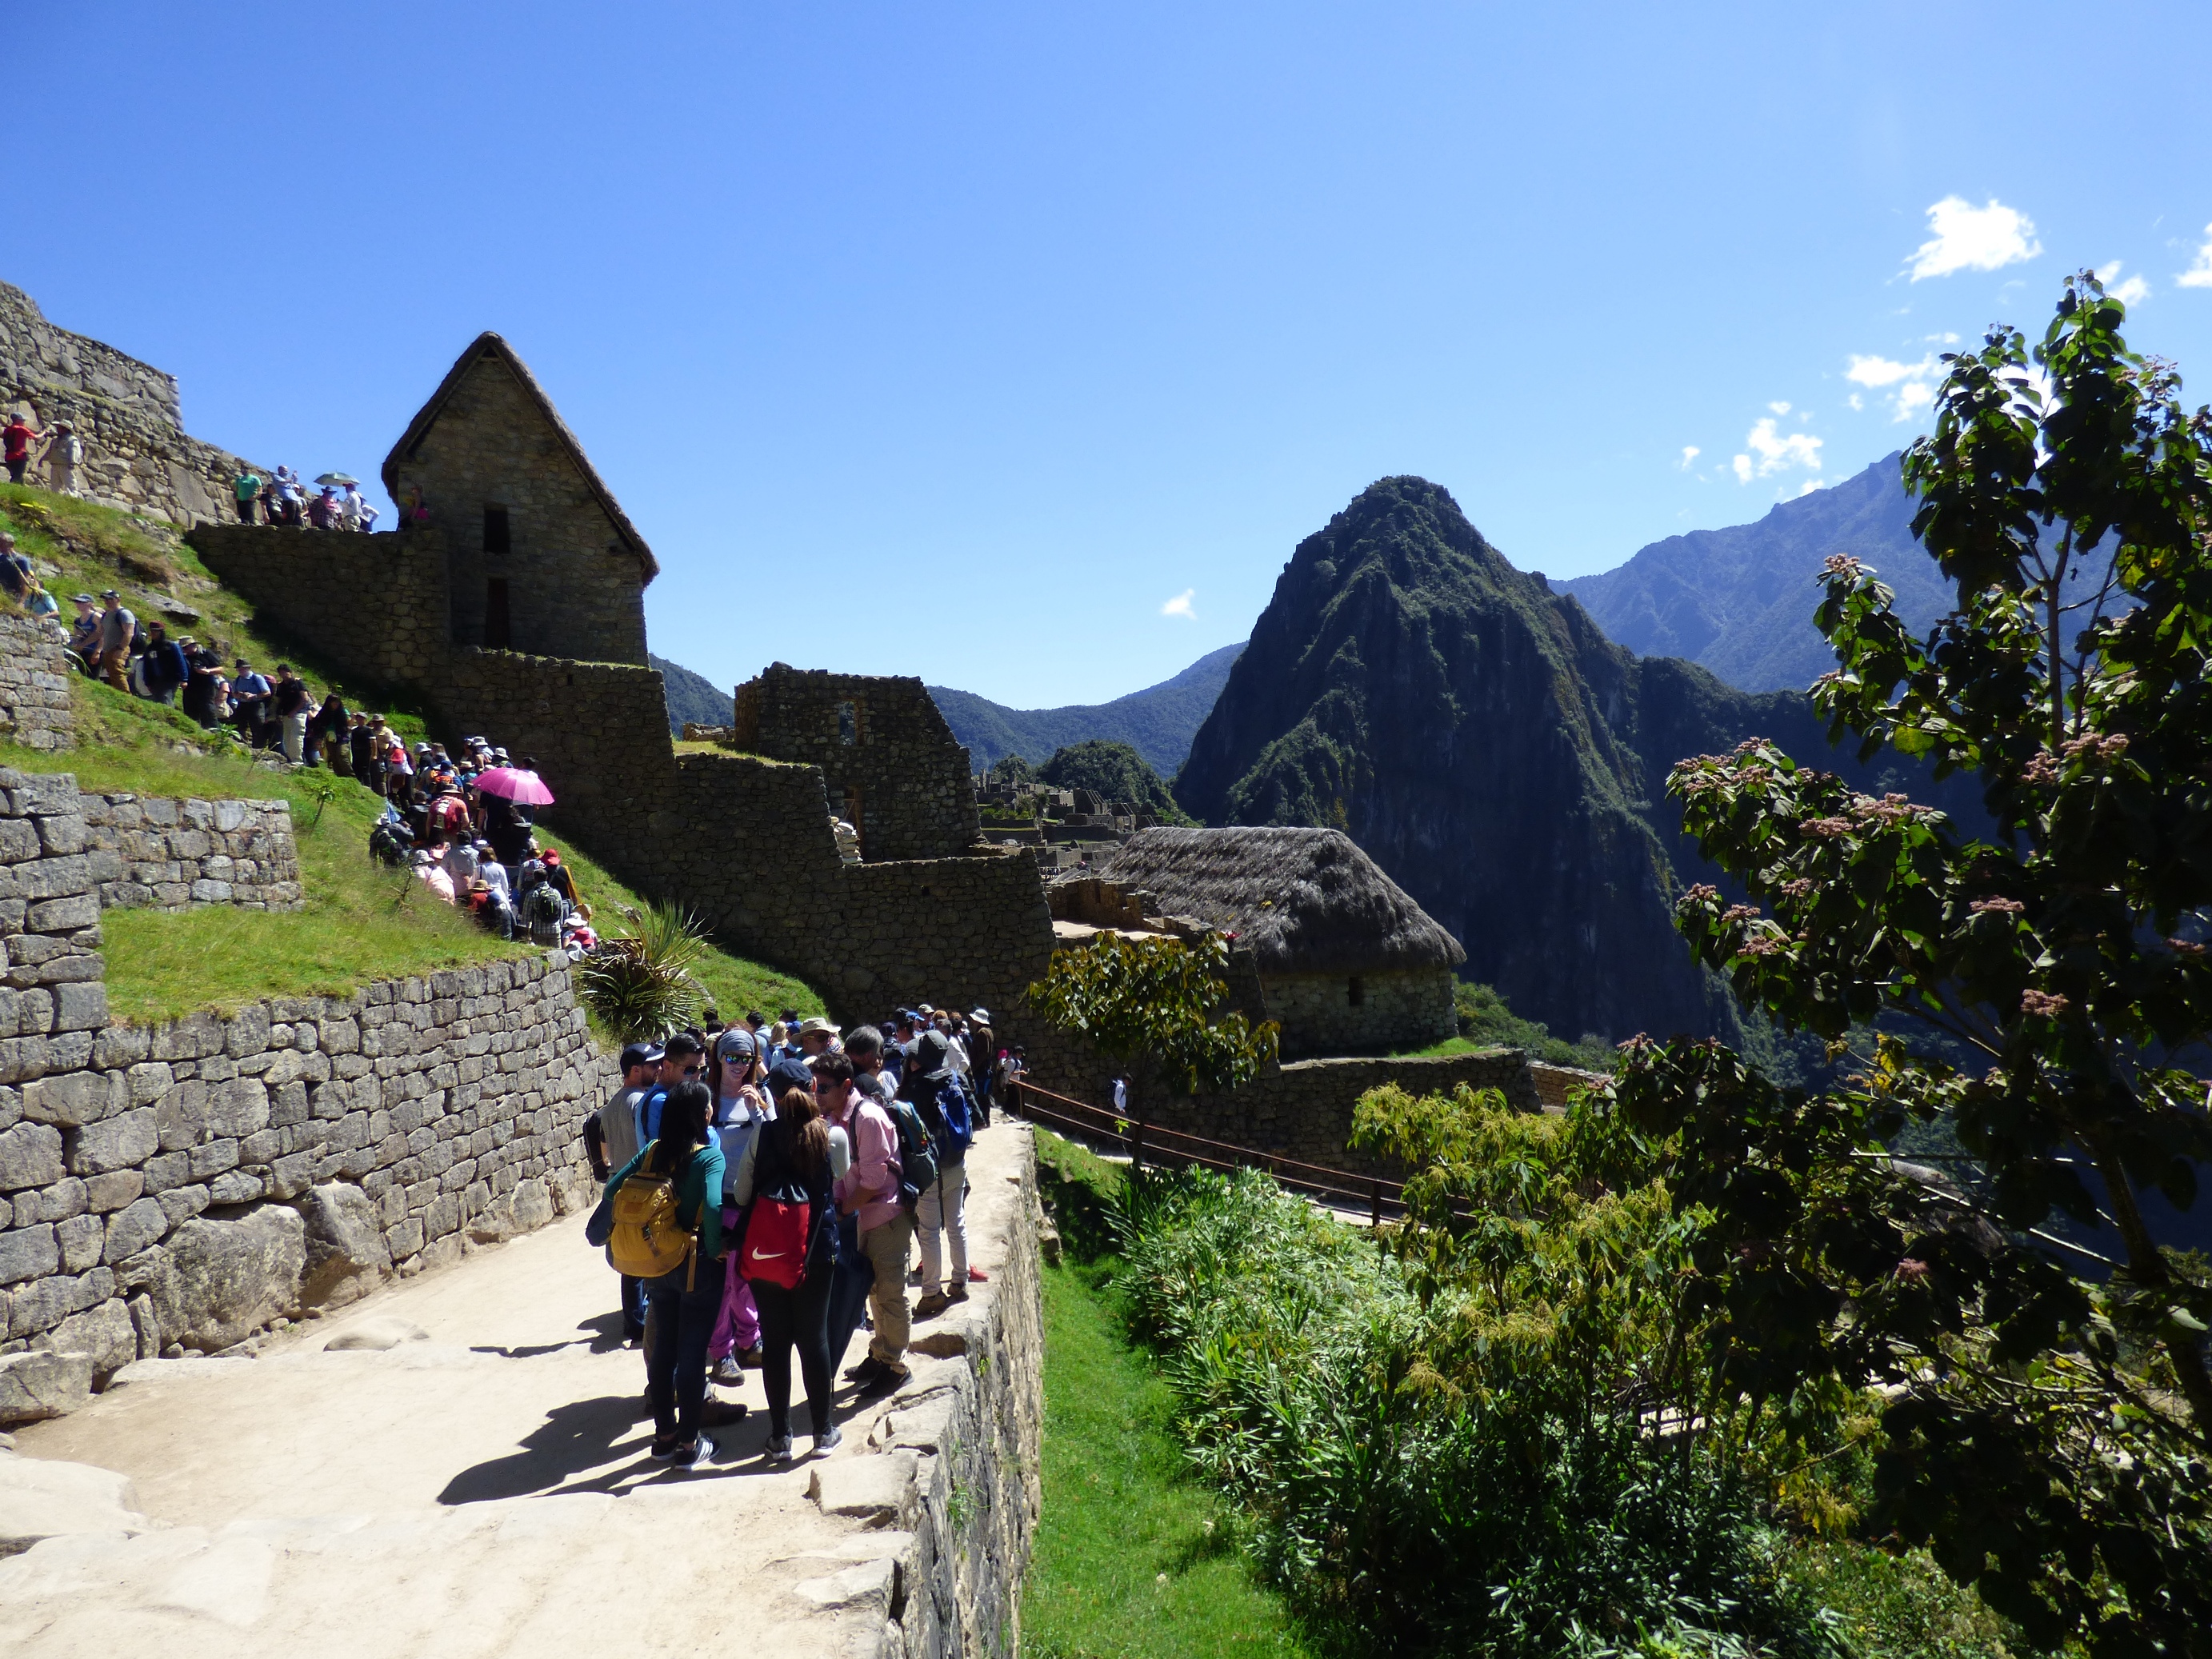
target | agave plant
[{"x": 640, "y": 985}]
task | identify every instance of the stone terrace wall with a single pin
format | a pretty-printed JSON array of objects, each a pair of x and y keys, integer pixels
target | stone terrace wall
[
  {"x": 34, "y": 689},
  {"x": 878, "y": 736},
  {"x": 136, "y": 454},
  {"x": 374, "y": 608},
  {"x": 160, "y": 852},
  {"x": 183, "y": 1185},
  {"x": 1302, "y": 1109},
  {"x": 1404, "y": 1009}
]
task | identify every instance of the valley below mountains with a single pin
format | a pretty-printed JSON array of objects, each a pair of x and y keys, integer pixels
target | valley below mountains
[{"x": 1501, "y": 759}]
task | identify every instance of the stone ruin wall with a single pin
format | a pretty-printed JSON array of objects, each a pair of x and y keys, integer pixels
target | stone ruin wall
[
  {"x": 916, "y": 796},
  {"x": 1404, "y": 1008},
  {"x": 374, "y": 612},
  {"x": 34, "y": 689},
  {"x": 182, "y": 1185},
  {"x": 137, "y": 455},
  {"x": 572, "y": 584},
  {"x": 163, "y": 853}
]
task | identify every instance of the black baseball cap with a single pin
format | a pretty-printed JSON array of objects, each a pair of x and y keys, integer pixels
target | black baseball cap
[{"x": 640, "y": 1054}]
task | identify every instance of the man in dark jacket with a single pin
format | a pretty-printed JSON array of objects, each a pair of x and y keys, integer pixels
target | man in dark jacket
[{"x": 166, "y": 667}]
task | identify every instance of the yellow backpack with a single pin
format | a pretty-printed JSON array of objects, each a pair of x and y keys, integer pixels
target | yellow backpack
[{"x": 647, "y": 1240}]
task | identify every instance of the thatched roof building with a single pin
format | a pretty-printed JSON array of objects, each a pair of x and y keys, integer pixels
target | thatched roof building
[{"x": 1305, "y": 901}]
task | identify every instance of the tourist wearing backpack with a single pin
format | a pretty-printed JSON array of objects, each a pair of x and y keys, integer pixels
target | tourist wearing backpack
[
  {"x": 870, "y": 1191},
  {"x": 666, "y": 1229},
  {"x": 939, "y": 1097},
  {"x": 789, "y": 1258}
]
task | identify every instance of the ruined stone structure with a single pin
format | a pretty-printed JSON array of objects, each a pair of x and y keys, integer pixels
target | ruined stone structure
[
  {"x": 534, "y": 553},
  {"x": 165, "y": 853},
  {"x": 181, "y": 1184},
  {"x": 34, "y": 692},
  {"x": 136, "y": 454},
  {"x": 890, "y": 765}
]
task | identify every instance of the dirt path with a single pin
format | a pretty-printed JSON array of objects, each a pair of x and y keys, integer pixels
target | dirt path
[{"x": 487, "y": 1492}]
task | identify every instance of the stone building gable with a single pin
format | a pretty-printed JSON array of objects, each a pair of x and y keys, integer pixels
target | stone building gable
[
  {"x": 539, "y": 556},
  {"x": 890, "y": 764}
]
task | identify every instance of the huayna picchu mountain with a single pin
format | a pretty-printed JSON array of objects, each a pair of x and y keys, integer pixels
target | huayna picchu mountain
[{"x": 1494, "y": 752}]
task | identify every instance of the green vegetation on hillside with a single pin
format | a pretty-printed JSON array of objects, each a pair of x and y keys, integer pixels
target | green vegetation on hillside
[
  {"x": 360, "y": 921},
  {"x": 1485, "y": 1022},
  {"x": 1114, "y": 772},
  {"x": 1134, "y": 1558}
]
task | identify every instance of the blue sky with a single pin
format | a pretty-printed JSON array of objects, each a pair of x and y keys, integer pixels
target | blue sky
[{"x": 967, "y": 340}]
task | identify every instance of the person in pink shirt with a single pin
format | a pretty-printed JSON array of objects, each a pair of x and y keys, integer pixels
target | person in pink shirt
[{"x": 869, "y": 1191}]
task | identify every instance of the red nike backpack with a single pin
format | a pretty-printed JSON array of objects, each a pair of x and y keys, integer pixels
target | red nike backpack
[{"x": 778, "y": 1231}]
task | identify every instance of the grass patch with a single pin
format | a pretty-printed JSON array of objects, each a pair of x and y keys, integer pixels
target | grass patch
[
  {"x": 360, "y": 922},
  {"x": 1133, "y": 1558}
]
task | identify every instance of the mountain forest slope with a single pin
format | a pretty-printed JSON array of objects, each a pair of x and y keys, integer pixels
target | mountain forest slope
[
  {"x": 1740, "y": 601},
  {"x": 1485, "y": 743},
  {"x": 1157, "y": 722}
]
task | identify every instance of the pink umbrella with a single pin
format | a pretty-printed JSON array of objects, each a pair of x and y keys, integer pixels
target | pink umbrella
[{"x": 512, "y": 783}]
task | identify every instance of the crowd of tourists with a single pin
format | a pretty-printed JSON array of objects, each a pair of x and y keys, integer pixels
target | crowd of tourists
[
  {"x": 765, "y": 1186},
  {"x": 282, "y": 498}
]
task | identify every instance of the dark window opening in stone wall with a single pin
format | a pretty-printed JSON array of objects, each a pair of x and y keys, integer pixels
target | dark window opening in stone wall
[
  {"x": 499, "y": 633},
  {"x": 848, "y": 724},
  {"x": 495, "y": 538},
  {"x": 1357, "y": 991}
]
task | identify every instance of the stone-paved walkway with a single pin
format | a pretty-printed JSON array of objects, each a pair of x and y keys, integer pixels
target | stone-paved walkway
[{"x": 484, "y": 1492}]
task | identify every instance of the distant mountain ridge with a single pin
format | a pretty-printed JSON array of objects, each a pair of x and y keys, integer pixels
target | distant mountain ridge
[
  {"x": 1158, "y": 722},
  {"x": 1502, "y": 760},
  {"x": 692, "y": 697},
  {"x": 1740, "y": 601}
]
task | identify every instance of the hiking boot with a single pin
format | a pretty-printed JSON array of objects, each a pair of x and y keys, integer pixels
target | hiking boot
[
  {"x": 957, "y": 1293},
  {"x": 889, "y": 1381},
  {"x": 778, "y": 1450},
  {"x": 728, "y": 1372},
  {"x": 826, "y": 1442},
  {"x": 865, "y": 1372},
  {"x": 752, "y": 1358},
  {"x": 934, "y": 1304}
]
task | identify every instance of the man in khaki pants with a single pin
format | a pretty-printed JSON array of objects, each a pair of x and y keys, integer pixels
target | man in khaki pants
[
  {"x": 869, "y": 1190},
  {"x": 117, "y": 627}
]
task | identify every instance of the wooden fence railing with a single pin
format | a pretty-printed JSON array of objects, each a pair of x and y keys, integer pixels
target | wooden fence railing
[{"x": 1155, "y": 1143}]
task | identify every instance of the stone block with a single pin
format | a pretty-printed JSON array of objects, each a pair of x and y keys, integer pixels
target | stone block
[
  {"x": 133, "y": 1228},
  {"x": 114, "y": 1143},
  {"x": 80, "y": 1239},
  {"x": 34, "y": 1386},
  {"x": 103, "y": 1332},
  {"x": 224, "y": 1279},
  {"x": 71, "y": 1101},
  {"x": 30, "y": 1156},
  {"x": 80, "y": 1007},
  {"x": 106, "y": 1193},
  {"x": 28, "y": 1253}
]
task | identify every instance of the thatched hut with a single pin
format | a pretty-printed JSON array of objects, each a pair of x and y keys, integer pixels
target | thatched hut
[{"x": 1348, "y": 962}]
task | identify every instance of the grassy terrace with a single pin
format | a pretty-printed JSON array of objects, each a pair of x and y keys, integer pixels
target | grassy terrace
[
  {"x": 1134, "y": 1558},
  {"x": 360, "y": 921}
]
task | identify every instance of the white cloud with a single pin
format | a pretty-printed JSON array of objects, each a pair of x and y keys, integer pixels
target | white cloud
[
  {"x": 2199, "y": 275},
  {"x": 1742, "y": 466},
  {"x": 1811, "y": 484},
  {"x": 1180, "y": 605},
  {"x": 1915, "y": 383},
  {"x": 1779, "y": 408},
  {"x": 1690, "y": 452},
  {"x": 1880, "y": 371},
  {"x": 1778, "y": 452},
  {"x": 1940, "y": 339},
  {"x": 1855, "y": 401},
  {"x": 1970, "y": 238},
  {"x": 2133, "y": 292}
]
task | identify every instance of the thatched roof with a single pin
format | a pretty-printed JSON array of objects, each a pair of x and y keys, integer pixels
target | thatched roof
[
  {"x": 488, "y": 345},
  {"x": 1304, "y": 901}
]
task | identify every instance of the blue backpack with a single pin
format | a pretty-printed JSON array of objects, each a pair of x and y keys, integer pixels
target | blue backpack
[{"x": 950, "y": 1118}]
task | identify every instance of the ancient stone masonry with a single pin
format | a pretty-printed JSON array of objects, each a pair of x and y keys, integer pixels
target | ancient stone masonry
[
  {"x": 890, "y": 764},
  {"x": 136, "y": 454},
  {"x": 537, "y": 554},
  {"x": 182, "y": 1185},
  {"x": 159, "y": 852},
  {"x": 35, "y": 693}
]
